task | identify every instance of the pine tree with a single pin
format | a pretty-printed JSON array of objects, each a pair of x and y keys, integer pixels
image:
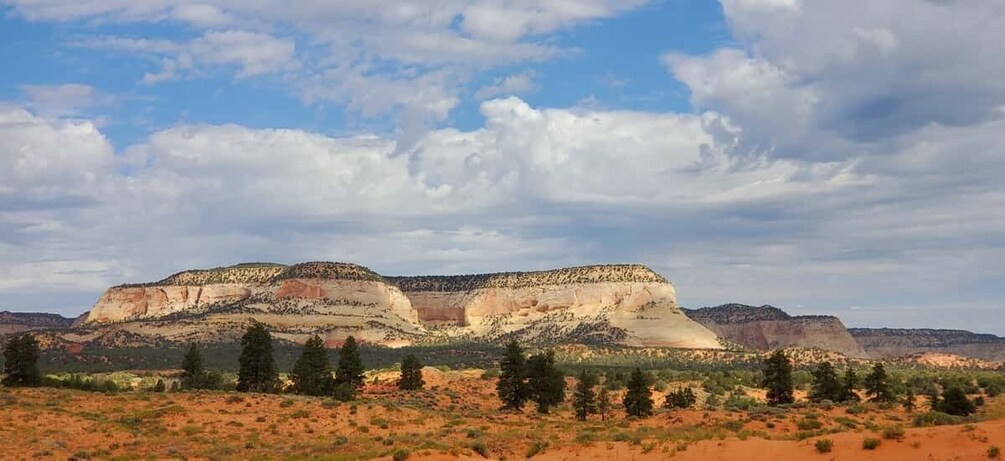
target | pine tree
[
  {"x": 604, "y": 403},
  {"x": 411, "y": 374},
  {"x": 21, "y": 362},
  {"x": 312, "y": 374},
  {"x": 877, "y": 385},
  {"x": 848, "y": 386},
  {"x": 778, "y": 379},
  {"x": 955, "y": 402},
  {"x": 257, "y": 371},
  {"x": 192, "y": 374},
  {"x": 349, "y": 373},
  {"x": 584, "y": 400},
  {"x": 680, "y": 398},
  {"x": 545, "y": 381},
  {"x": 638, "y": 399},
  {"x": 825, "y": 384},
  {"x": 160, "y": 386},
  {"x": 909, "y": 402},
  {"x": 932, "y": 392},
  {"x": 512, "y": 386}
]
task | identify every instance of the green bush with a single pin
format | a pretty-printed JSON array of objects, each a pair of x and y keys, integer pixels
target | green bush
[
  {"x": 893, "y": 433},
  {"x": 478, "y": 446},
  {"x": 536, "y": 448},
  {"x": 809, "y": 424},
  {"x": 400, "y": 454},
  {"x": 994, "y": 452},
  {"x": 936, "y": 418},
  {"x": 824, "y": 445},
  {"x": 870, "y": 443}
]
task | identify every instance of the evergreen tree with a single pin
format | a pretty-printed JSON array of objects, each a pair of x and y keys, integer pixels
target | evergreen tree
[
  {"x": 545, "y": 381},
  {"x": 932, "y": 392},
  {"x": 848, "y": 386},
  {"x": 512, "y": 386},
  {"x": 877, "y": 385},
  {"x": 160, "y": 386},
  {"x": 638, "y": 399},
  {"x": 584, "y": 400},
  {"x": 192, "y": 374},
  {"x": 778, "y": 379},
  {"x": 257, "y": 368},
  {"x": 826, "y": 385},
  {"x": 411, "y": 374},
  {"x": 680, "y": 398},
  {"x": 910, "y": 403},
  {"x": 955, "y": 402},
  {"x": 312, "y": 374},
  {"x": 21, "y": 362},
  {"x": 604, "y": 403},
  {"x": 349, "y": 374}
]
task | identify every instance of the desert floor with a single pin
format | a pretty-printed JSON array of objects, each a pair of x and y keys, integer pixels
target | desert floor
[{"x": 456, "y": 417}]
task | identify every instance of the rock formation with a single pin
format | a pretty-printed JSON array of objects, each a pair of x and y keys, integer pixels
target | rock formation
[
  {"x": 899, "y": 342},
  {"x": 17, "y": 322},
  {"x": 624, "y": 304},
  {"x": 767, "y": 327}
]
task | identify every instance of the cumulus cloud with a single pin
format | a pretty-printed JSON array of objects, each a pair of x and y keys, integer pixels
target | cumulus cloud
[{"x": 510, "y": 85}]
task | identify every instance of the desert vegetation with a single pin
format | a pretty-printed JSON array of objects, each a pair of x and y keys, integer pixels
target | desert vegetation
[{"x": 349, "y": 407}]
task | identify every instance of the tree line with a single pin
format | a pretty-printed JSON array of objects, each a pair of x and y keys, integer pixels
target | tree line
[{"x": 521, "y": 379}]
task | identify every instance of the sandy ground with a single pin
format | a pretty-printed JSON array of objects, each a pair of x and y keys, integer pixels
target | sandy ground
[{"x": 454, "y": 418}]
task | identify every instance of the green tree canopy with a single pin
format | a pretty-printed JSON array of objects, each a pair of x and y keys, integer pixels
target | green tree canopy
[
  {"x": 349, "y": 373},
  {"x": 778, "y": 379},
  {"x": 877, "y": 385},
  {"x": 21, "y": 362},
  {"x": 411, "y": 374},
  {"x": 512, "y": 386},
  {"x": 826, "y": 385},
  {"x": 680, "y": 398},
  {"x": 584, "y": 399},
  {"x": 312, "y": 374},
  {"x": 545, "y": 381},
  {"x": 257, "y": 367},
  {"x": 848, "y": 386},
  {"x": 955, "y": 402},
  {"x": 604, "y": 404},
  {"x": 638, "y": 399}
]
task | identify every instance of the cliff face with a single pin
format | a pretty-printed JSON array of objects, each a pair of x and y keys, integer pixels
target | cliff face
[
  {"x": 767, "y": 327},
  {"x": 895, "y": 342},
  {"x": 17, "y": 322},
  {"x": 334, "y": 300},
  {"x": 627, "y": 304}
]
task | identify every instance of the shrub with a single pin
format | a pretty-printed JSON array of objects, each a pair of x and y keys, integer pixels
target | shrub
[
  {"x": 400, "y": 454},
  {"x": 479, "y": 447},
  {"x": 824, "y": 445},
  {"x": 935, "y": 418},
  {"x": 870, "y": 443},
  {"x": 893, "y": 433},
  {"x": 994, "y": 452},
  {"x": 809, "y": 424},
  {"x": 536, "y": 448},
  {"x": 286, "y": 403}
]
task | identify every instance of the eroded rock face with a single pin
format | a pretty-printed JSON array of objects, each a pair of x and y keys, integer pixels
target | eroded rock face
[
  {"x": 627, "y": 304},
  {"x": 19, "y": 322},
  {"x": 766, "y": 328},
  {"x": 899, "y": 342},
  {"x": 609, "y": 304}
]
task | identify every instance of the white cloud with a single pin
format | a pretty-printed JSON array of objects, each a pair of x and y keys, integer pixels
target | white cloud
[
  {"x": 511, "y": 85},
  {"x": 64, "y": 100}
]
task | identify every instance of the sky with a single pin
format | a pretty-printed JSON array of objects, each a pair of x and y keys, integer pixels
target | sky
[{"x": 835, "y": 157}]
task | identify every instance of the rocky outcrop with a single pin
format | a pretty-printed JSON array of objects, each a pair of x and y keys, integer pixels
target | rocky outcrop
[
  {"x": 295, "y": 302},
  {"x": 899, "y": 342},
  {"x": 18, "y": 322},
  {"x": 625, "y": 304},
  {"x": 622, "y": 304},
  {"x": 767, "y": 327}
]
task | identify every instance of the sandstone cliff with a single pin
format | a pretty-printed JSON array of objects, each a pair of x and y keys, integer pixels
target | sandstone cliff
[
  {"x": 767, "y": 327},
  {"x": 623, "y": 304},
  {"x": 618, "y": 304},
  {"x": 334, "y": 300},
  {"x": 899, "y": 342},
  {"x": 17, "y": 322}
]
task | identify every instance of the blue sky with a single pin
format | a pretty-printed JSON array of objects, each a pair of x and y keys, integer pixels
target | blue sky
[{"x": 828, "y": 157}]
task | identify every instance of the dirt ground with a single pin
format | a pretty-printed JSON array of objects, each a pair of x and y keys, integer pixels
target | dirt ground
[{"x": 456, "y": 417}]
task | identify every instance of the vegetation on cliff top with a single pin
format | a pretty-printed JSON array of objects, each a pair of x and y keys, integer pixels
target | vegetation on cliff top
[{"x": 570, "y": 275}]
